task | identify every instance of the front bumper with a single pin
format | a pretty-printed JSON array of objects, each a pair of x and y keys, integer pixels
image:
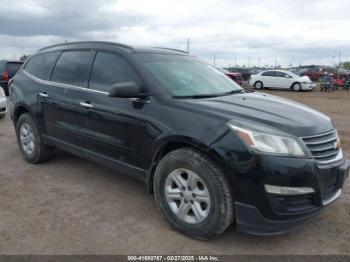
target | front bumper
[
  {"x": 311, "y": 86},
  {"x": 272, "y": 214}
]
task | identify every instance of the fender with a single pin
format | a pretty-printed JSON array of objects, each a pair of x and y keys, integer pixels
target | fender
[
  {"x": 20, "y": 106},
  {"x": 170, "y": 143}
]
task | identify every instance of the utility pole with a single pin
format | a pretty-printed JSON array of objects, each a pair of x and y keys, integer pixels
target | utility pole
[
  {"x": 249, "y": 62},
  {"x": 214, "y": 60},
  {"x": 259, "y": 62},
  {"x": 188, "y": 45},
  {"x": 235, "y": 60}
]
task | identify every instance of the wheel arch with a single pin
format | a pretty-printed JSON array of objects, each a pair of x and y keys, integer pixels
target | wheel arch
[
  {"x": 296, "y": 82},
  {"x": 174, "y": 143},
  {"x": 20, "y": 109}
]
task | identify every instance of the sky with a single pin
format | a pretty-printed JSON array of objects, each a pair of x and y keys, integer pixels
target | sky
[{"x": 241, "y": 32}]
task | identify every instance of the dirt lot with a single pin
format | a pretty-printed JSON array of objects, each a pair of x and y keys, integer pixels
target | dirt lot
[{"x": 72, "y": 206}]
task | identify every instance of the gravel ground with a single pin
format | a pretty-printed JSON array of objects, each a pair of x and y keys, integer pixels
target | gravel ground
[{"x": 72, "y": 206}]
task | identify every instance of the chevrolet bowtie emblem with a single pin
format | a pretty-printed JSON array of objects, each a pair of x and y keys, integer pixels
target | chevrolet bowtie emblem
[{"x": 337, "y": 144}]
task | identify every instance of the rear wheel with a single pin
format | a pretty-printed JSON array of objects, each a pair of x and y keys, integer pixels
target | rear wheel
[
  {"x": 296, "y": 87},
  {"x": 2, "y": 116},
  {"x": 193, "y": 194},
  {"x": 258, "y": 85},
  {"x": 30, "y": 141}
]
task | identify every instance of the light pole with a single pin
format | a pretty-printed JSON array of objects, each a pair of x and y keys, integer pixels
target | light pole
[{"x": 339, "y": 60}]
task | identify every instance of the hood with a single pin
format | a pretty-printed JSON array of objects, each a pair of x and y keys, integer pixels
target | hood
[
  {"x": 280, "y": 113},
  {"x": 233, "y": 74},
  {"x": 305, "y": 78}
]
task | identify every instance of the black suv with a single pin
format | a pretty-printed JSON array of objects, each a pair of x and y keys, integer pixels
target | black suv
[
  {"x": 211, "y": 152},
  {"x": 8, "y": 69}
]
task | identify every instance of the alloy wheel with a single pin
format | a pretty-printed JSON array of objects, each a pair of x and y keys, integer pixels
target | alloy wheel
[
  {"x": 27, "y": 138},
  {"x": 187, "y": 196}
]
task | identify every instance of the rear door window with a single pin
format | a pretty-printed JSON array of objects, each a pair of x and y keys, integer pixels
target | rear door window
[
  {"x": 72, "y": 68},
  {"x": 280, "y": 74},
  {"x": 41, "y": 65},
  {"x": 109, "y": 69},
  {"x": 268, "y": 73}
]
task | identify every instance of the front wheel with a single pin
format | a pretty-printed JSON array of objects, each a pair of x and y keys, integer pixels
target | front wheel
[
  {"x": 193, "y": 194},
  {"x": 258, "y": 85},
  {"x": 296, "y": 87}
]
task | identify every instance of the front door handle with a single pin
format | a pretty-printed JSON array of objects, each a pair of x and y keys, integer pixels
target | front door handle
[
  {"x": 43, "y": 94},
  {"x": 86, "y": 104}
]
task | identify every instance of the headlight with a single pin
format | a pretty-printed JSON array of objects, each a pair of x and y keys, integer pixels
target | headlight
[
  {"x": 2, "y": 92},
  {"x": 273, "y": 144}
]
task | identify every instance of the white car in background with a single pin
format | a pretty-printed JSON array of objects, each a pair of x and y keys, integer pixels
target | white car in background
[
  {"x": 281, "y": 79},
  {"x": 2, "y": 103}
]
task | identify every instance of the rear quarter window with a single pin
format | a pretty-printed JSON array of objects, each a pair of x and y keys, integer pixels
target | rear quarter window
[{"x": 41, "y": 65}]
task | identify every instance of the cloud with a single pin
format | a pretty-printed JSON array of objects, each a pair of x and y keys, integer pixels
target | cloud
[{"x": 291, "y": 31}]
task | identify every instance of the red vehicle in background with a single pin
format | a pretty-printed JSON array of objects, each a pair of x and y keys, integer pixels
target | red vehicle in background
[
  {"x": 316, "y": 73},
  {"x": 340, "y": 79},
  {"x": 235, "y": 76}
]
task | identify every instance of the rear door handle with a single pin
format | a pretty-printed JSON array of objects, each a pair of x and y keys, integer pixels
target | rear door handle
[
  {"x": 43, "y": 94},
  {"x": 86, "y": 104}
]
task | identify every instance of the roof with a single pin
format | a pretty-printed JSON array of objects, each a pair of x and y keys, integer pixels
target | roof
[
  {"x": 11, "y": 61},
  {"x": 278, "y": 70},
  {"x": 116, "y": 45}
]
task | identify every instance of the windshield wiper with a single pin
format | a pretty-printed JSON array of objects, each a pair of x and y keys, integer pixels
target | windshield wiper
[
  {"x": 210, "y": 95},
  {"x": 197, "y": 96},
  {"x": 233, "y": 92}
]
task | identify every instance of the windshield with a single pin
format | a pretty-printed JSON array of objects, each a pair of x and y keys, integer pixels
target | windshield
[
  {"x": 292, "y": 74},
  {"x": 186, "y": 76}
]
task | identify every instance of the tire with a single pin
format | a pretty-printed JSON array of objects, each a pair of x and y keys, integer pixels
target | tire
[
  {"x": 258, "y": 85},
  {"x": 2, "y": 116},
  {"x": 212, "y": 201},
  {"x": 28, "y": 137},
  {"x": 296, "y": 87}
]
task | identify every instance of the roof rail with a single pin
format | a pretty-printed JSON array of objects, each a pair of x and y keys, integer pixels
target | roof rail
[
  {"x": 88, "y": 42},
  {"x": 172, "y": 49}
]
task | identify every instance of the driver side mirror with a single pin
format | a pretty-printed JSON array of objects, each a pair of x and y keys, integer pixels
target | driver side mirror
[{"x": 126, "y": 90}]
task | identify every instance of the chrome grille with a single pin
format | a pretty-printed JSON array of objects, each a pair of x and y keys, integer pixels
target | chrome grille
[{"x": 323, "y": 147}]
